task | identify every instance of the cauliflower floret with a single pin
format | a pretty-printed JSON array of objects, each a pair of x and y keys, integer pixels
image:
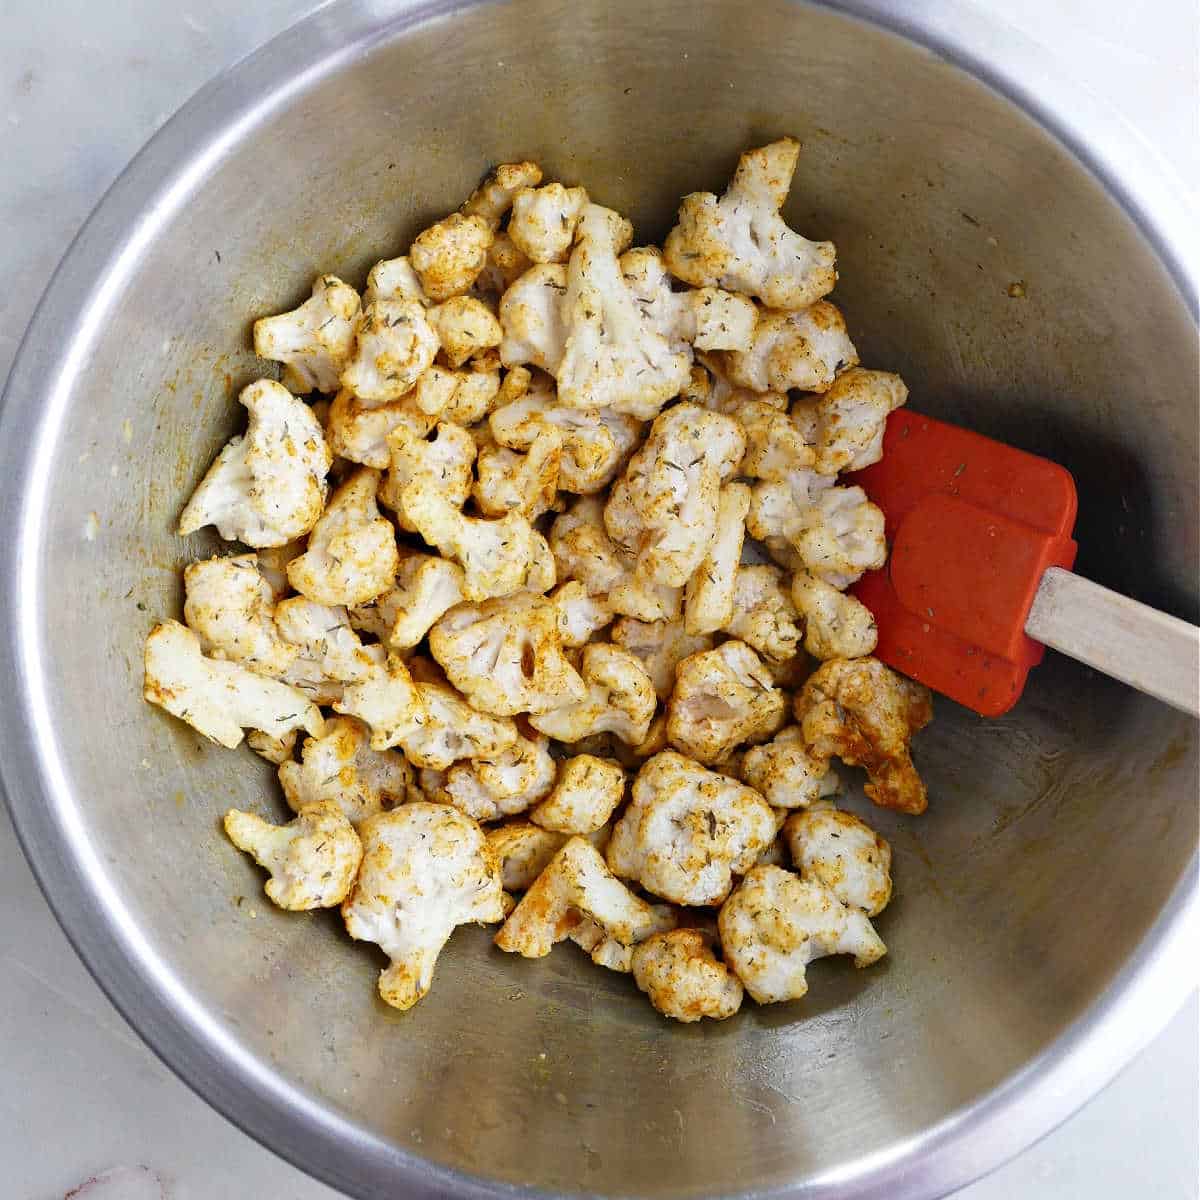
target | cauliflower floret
[
  {"x": 231, "y": 607},
  {"x": 620, "y": 699},
  {"x": 543, "y": 221},
  {"x": 274, "y": 750},
  {"x": 576, "y": 885},
  {"x": 613, "y": 356},
  {"x": 787, "y": 773},
  {"x": 340, "y": 767},
  {"x": 442, "y": 463},
  {"x": 663, "y": 509},
  {"x": 426, "y": 869},
  {"x": 508, "y": 783},
  {"x": 387, "y": 700},
  {"x": 461, "y": 397},
  {"x": 776, "y": 445},
  {"x": 580, "y": 615},
  {"x": 722, "y": 698},
  {"x": 394, "y": 344},
  {"x": 740, "y": 241},
  {"x": 661, "y": 646},
  {"x": 841, "y": 536},
  {"x": 267, "y": 486},
  {"x": 505, "y": 265},
  {"x": 775, "y": 924},
  {"x": 682, "y": 977},
  {"x": 394, "y": 279},
  {"x": 451, "y": 729},
  {"x": 523, "y": 851},
  {"x": 711, "y": 389},
  {"x": 688, "y": 831},
  {"x": 449, "y": 255},
  {"x": 836, "y": 849},
  {"x": 425, "y": 588},
  {"x": 313, "y": 859},
  {"x": 494, "y": 196},
  {"x": 586, "y": 793},
  {"x": 607, "y": 951},
  {"x": 835, "y": 625},
  {"x": 329, "y": 651},
  {"x": 866, "y": 715},
  {"x": 313, "y": 341},
  {"x": 803, "y": 349},
  {"x": 531, "y": 315},
  {"x": 219, "y": 699},
  {"x": 465, "y": 327},
  {"x": 710, "y": 591},
  {"x": 763, "y": 614},
  {"x": 272, "y": 566},
  {"x": 781, "y": 510},
  {"x": 358, "y": 432},
  {"x": 521, "y": 483},
  {"x": 505, "y": 655},
  {"x": 497, "y": 557},
  {"x": 849, "y": 419},
  {"x": 352, "y": 555}
]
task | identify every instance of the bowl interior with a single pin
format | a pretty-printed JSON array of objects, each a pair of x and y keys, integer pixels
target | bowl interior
[{"x": 1054, "y": 835}]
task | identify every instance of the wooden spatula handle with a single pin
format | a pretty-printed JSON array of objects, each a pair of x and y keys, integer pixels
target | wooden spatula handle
[{"x": 1155, "y": 653}]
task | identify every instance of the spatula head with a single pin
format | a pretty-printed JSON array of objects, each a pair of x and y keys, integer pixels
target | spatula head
[{"x": 972, "y": 525}]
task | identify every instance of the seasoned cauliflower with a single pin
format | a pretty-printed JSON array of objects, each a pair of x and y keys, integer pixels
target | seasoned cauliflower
[
  {"x": 849, "y": 419},
  {"x": 710, "y": 388},
  {"x": 840, "y": 852},
  {"x": 352, "y": 555},
  {"x": 508, "y": 783},
  {"x": 274, "y": 750},
  {"x": 394, "y": 279},
  {"x": 520, "y": 483},
  {"x": 231, "y": 607},
  {"x": 426, "y": 869},
  {"x": 442, "y": 463},
  {"x": 575, "y": 885},
  {"x": 613, "y": 356},
  {"x": 776, "y": 444},
  {"x": 460, "y": 397},
  {"x": 619, "y": 699},
  {"x": 764, "y": 616},
  {"x": 505, "y": 265},
  {"x": 740, "y": 241},
  {"x": 465, "y": 328},
  {"x": 267, "y": 486},
  {"x": 775, "y": 924},
  {"x": 786, "y": 772},
  {"x": 780, "y": 511},
  {"x": 586, "y": 793},
  {"x": 608, "y": 951},
  {"x": 682, "y": 977},
  {"x": 523, "y": 851},
  {"x": 313, "y": 341},
  {"x": 710, "y": 591},
  {"x": 449, "y": 255},
  {"x": 219, "y": 699},
  {"x": 533, "y": 320},
  {"x": 394, "y": 344},
  {"x": 505, "y": 655},
  {"x": 387, "y": 700},
  {"x": 663, "y": 509},
  {"x": 492, "y": 199},
  {"x": 542, "y": 225},
  {"x": 580, "y": 615},
  {"x": 661, "y": 646},
  {"x": 313, "y": 859},
  {"x": 688, "y": 831},
  {"x": 864, "y": 714},
  {"x": 722, "y": 698},
  {"x": 340, "y": 767},
  {"x": 835, "y": 625},
  {"x": 425, "y": 588},
  {"x": 802, "y": 349},
  {"x": 841, "y": 536},
  {"x": 328, "y": 649},
  {"x": 450, "y": 730},
  {"x": 358, "y": 432}
]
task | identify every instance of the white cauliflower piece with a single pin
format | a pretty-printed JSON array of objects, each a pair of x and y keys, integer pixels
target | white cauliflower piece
[
  {"x": 865, "y": 714},
  {"x": 426, "y": 869},
  {"x": 607, "y": 951},
  {"x": 740, "y": 241},
  {"x": 497, "y": 557},
  {"x": 576, "y": 885},
  {"x": 775, "y": 924},
  {"x": 620, "y": 699},
  {"x": 352, "y": 555},
  {"x": 661, "y": 646},
  {"x": 461, "y": 397},
  {"x": 219, "y": 699},
  {"x": 787, "y": 773},
  {"x": 465, "y": 327},
  {"x": 339, "y": 767},
  {"x": 231, "y": 607},
  {"x": 492, "y": 199},
  {"x": 523, "y": 851},
  {"x": 722, "y": 698},
  {"x": 835, "y": 625},
  {"x": 804, "y": 349},
  {"x": 683, "y": 978},
  {"x": 329, "y": 652},
  {"x": 663, "y": 509},
  {"x": 711, "y": 389},
  {"x": 542, "y": 225},
  {"x": 763, "y": 614},
  {"x": 425, "y": 588},
  {"x": 533, "y": 320},
  {"x": 849, "y": 419},
  {"x": 313, "y": 859},
  {"x": 450, "y": 730},
  {"x": 522, "y": 483},
  {"x": 781, "y": 510},
  {"x": 272, "y": 565},
  {"x": 840, "y": 852},
  {"x": 267, "y": 486},
  {"x": 580, "y": 615},
  {"x": 508, "y": 783},
  {"x": 442, "y": 463},
  {"x": 394, "y": 344},
  {"x": 274, "y": 750},
  {"x": 841, "y": 536},
  {"x": 358, "y": 432},
  {"x": 586, "y": 793},
  {"x": 505, "y": 265},
  {"x": 710, "y": 591},
  {"x": 505, "y": 655},
  {"x": 313, "y": 341},
  {"x": 449, "y": 255},
  {"x": 394, "y": 279},
  {"x": 688, "y": 831},
  {"x": 387, "y": 700},
  {"x": 776, "y": 445},
  {"x": 613, "y": 356}
]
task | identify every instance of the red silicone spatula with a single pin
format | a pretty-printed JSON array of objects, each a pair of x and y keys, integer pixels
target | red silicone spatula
[{"x": 979, "y": 582}]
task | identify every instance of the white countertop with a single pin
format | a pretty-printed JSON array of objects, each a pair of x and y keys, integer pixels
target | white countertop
[{"x": 82, "y": 84}]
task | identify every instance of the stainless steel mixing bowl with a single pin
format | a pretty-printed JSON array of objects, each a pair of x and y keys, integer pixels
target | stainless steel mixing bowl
[{"x": 1039, "y": 932}]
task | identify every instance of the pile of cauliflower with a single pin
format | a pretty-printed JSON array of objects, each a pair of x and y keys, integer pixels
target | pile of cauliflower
[{"x": 544, "y": 536}]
